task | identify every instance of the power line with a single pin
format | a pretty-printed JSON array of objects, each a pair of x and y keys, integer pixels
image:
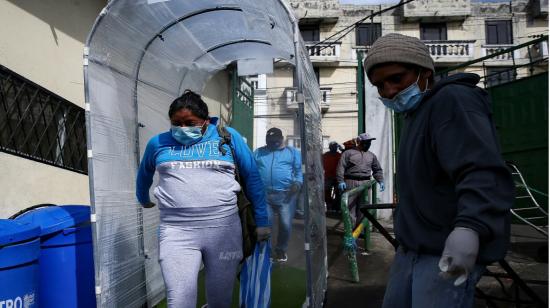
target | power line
[{"x": 349, "y": 28}]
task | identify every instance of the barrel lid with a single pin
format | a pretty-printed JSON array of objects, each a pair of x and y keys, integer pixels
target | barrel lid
[
  {"x": 56, "y": 218},
  {"x": 12, "y": 231}
]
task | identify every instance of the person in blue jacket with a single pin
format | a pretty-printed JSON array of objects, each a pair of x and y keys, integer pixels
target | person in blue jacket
[
  {"x": 197, "y": 198},
  {"x": 280, "y": 167}
]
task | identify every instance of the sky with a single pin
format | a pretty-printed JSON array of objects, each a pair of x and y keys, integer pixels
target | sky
[
  {"x": 397, "y": 1},
  {"x": 369, "y": 1}
]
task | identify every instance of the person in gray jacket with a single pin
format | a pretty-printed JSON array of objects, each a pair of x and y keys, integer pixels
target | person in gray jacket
[{"x": 355, "y": 168}]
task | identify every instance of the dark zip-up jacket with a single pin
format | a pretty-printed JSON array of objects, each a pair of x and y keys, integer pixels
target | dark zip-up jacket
[{"x": 450, "y": 172}]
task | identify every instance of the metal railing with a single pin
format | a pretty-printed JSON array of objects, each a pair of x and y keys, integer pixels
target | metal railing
[
  {"x": 532, "y": 215},
  {"x": 367, "y": 195},
  {"x": 39, "y": 125},
  {"x": 530, "y": 55}
]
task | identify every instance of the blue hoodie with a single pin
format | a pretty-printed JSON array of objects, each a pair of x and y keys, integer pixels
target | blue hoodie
[{"x": 197, "y": 182}]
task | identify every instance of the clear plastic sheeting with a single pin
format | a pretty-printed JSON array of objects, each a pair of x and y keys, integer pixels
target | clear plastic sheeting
[{"x": 141, "y": 55}]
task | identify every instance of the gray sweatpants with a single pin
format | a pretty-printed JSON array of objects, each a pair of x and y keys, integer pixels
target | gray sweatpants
[{"x": 217, "y": 243}]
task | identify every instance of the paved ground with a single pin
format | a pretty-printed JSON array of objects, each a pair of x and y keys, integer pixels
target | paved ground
[
  {"x": 288, "y": 279},
  {"x": 524, "y": 257}
]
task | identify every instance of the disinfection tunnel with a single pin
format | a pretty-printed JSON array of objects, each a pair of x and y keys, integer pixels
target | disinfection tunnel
[{"x": 141, "y": 55}]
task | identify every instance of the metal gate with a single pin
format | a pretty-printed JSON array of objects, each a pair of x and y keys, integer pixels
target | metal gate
[
  {"x": 242, "y": 108},
  {"x": 520, "y": 111}
]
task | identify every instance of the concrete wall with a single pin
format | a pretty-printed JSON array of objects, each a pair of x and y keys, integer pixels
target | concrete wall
[
  {"x": 25, "y": 183},
  {"x": 43, "y": 41},
  {"x": 340, "y": 121},
  {"x": 277, "y": 114},
  {"x": 217, "y": 95},
  {"x": 437, "y": 9}
]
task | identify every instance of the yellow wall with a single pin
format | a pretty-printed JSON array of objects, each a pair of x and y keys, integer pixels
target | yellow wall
[
  {"x": 25, "y": 183},
  {"x": 217, "y": 95},
  {"x": 43, "y": 41}
]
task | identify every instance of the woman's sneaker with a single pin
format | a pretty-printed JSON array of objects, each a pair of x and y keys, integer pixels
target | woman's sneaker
[{"x": 280, "y": 257}]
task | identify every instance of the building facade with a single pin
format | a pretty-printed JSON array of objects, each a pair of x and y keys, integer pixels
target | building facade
[
  {"x": 455, "y": 31},
  {"x": 42, "y": 129},
  {"x": 42, "y": 139}
]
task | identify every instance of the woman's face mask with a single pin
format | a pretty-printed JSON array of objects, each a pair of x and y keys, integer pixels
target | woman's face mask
[
  {"x": 407, "y": 99},
  {"x": 187, "y": 134}
]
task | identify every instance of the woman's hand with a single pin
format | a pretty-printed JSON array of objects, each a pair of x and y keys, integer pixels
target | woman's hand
[
  {"x": 263, "y": 233},
  {"x": 149, "y": 205}
]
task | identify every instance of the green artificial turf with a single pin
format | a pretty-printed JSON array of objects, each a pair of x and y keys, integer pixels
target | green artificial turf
[{"x": 288, "y": 288}]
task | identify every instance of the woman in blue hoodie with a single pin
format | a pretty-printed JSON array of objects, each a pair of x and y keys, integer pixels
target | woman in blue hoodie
[{"x": 197, "y": 197}]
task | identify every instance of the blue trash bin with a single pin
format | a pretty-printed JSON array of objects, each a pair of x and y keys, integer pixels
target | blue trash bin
[
  {"x": 19, "y": 270},
  {"x": 66, "y": 256}
]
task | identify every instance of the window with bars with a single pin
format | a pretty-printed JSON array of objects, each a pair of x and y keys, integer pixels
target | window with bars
[{"x": 39, "y": 125}]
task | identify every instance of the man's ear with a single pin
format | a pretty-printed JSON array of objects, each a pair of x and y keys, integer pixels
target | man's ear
[{"x": 427, "y": 74}]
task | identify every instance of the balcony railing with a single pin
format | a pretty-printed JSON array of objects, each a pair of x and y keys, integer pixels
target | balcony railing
[
  {"x": 363, "y": 50},
  {"x": 292, "y": 102},
  {"x": 487, "y": 50},
  {"x": 447, "y": 50},
  {"x": 324, "y": 51}
]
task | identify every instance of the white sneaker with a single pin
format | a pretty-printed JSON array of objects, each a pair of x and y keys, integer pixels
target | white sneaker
[{"x": 280, "y": 257}]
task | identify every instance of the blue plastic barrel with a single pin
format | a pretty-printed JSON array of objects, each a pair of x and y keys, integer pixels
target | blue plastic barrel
[
  {"x": 66, "y": 256},
  {"x": 19, "y": 270}
]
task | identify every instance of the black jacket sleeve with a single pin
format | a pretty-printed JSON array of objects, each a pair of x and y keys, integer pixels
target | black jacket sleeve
[{"x": 465, "y": 142}]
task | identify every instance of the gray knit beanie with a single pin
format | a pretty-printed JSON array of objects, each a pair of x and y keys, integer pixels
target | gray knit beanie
[{"x": 398, "y": 48}]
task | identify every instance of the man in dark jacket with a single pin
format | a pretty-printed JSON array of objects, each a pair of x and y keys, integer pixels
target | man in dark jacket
[{"x": 455, "y": 191}]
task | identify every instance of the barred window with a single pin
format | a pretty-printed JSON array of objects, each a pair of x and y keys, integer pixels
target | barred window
[{"x": 39, "y": 125}]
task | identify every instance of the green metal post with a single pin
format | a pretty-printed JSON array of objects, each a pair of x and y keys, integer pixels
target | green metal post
[
  {"x": 349, "y": 240},
  {"x": 367, "y": 226},
  {"x": 360, "y": 94},
  {"x": 370, "y": 198}
]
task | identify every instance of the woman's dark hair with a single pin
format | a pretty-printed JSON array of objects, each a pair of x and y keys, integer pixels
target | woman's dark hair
[{"x": 191, "y": 101}]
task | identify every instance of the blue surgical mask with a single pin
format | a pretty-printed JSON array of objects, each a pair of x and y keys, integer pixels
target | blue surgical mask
[
  {"x": 407, "y": 99},
  {"x": 187, "y": 134}
]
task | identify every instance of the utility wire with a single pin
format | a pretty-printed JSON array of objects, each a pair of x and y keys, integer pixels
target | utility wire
[{"x": 352, "y": 26}]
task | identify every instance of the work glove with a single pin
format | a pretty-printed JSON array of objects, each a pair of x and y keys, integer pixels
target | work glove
[
  {"x": 263, "y": 233},
  {"x": 459, "y": 255},
  {"x": 382, "y": 186},
  {"x": 341, "y": 186},
  {"x": 295, "y": 187},
  {"x": 149, "y": 205}
]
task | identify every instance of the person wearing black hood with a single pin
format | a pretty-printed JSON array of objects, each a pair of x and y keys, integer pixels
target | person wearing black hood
[{"x": 455, "y": 192}]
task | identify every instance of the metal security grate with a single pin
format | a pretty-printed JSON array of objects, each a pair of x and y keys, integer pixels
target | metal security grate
[{"x": 39, "y": 125}]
